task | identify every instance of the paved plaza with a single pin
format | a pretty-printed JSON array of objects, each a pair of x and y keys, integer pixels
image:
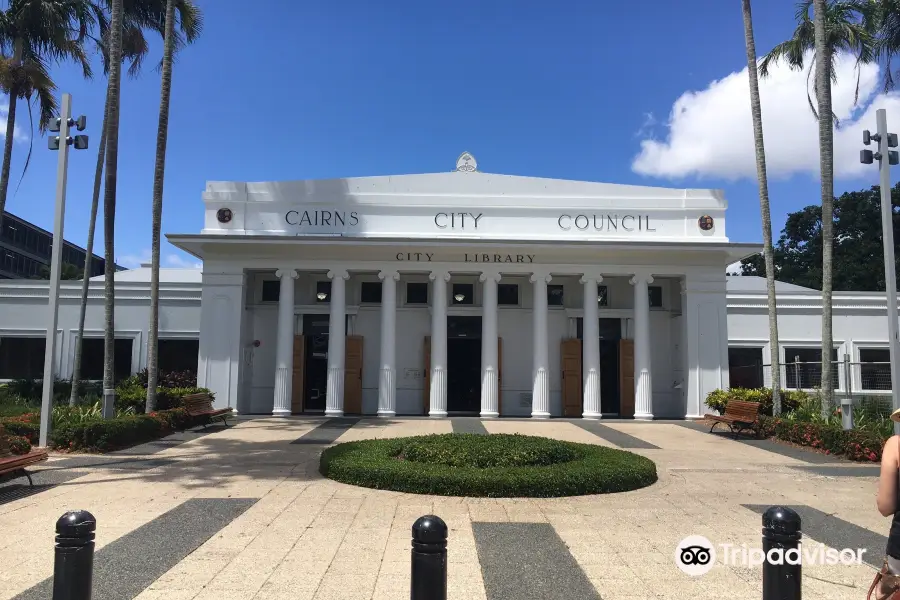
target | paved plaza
[{"x": 242, "y": 513}]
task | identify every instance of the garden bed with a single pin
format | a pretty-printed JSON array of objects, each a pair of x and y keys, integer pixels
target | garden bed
[{"x": 497, "y": 466}]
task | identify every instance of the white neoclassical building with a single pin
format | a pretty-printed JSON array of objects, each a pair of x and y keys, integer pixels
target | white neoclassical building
[
  {"x": 463, "y": 292},
  {"x": 457, "y": 293}
]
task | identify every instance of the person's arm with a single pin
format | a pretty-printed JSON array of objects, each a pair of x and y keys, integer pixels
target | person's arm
[{"x": 887, "y": 483}]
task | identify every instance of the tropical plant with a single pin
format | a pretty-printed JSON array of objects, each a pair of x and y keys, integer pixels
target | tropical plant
[
  {"x": 191, "y": 24},
  {"x": 138, "y": 15},
  {"x": 67, "y": 272},
  {"x": 34, "y": 33},
  {"x": 762, "y": 179}
]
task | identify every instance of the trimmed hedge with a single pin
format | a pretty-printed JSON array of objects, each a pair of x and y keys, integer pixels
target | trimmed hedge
[
  {"x": 111, "y": 434},
  {"x": 133, "y": 396},
  {"x": 854, "y": 444},
  {"x": 18, "y": 444},
  {"x": 496, "y": 466},
  {"x": 27, "y": 426},
  {"x": 790, "y": 399}
]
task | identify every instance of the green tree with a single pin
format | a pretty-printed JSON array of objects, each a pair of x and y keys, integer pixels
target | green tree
[
  {"x": 191, "y": 24},
  {"x": 34, "y": 33},
  {"x": 858, "y": 246},
  {"x": 67, "y": 272},
  {"x": 765, "y": 213}
]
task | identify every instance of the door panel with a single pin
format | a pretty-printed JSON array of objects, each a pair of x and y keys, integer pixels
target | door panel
[
  {"x": 353, "y": 358},
  {"x": 297, "y": 376},
  {"x": 500, "y": 375},
  {"x": 626, "y": 378},
  {"x": 571, "y": 378},
  {"x": 426, "y": 376}
]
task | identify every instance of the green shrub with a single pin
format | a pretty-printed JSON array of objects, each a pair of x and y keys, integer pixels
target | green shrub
[
  {"x": 108, "y": 434},
  {"x": 790, "y": 399},
  {"x": 463, "y": 465},
  {"x": 23, "y": 428},
  {"x": 134, "y": 397},
  {"x": 855, "y": 444},
  {"x": 18, "y": 444},
  {"x": 175, "y": 418}
]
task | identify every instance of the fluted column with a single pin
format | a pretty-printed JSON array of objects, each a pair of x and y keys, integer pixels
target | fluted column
[
  {"x": 437, "y": 396},
  {"x": 337, "y": 332},
  {"x": 591, "y": 348},
  {"x": 490, "y": 367},
  {"x": 643, "y": 384},
  {"x": 387, "y": 386},
  {"x": 284, "y": 346},
  {"x": 540, "y": 403}
]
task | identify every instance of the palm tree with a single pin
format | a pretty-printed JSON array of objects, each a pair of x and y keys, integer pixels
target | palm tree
[
  {"x": 191, "y": 25},
  {"x": 109, "y": 206},
  {"x": 768, "y": 251},
  {"x": 138, "y": 15},
  {"x": 32, "y": 34},
  {"x": 836, "y": 26}
]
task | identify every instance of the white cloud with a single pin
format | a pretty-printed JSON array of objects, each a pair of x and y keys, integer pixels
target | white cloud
[
  {"x": 171, "y": 261},
  {"x": 710, "y": 132},
  {"x": 18, "y": 134}
]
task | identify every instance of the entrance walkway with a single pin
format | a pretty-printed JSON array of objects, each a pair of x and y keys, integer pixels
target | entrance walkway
[{"x": 242, "y": 513}]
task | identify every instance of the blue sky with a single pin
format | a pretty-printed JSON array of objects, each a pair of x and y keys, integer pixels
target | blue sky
[{"x": 307, "y": 90}]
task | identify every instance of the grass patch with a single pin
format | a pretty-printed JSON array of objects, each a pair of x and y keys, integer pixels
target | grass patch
[{"x": 494, "y": 466}]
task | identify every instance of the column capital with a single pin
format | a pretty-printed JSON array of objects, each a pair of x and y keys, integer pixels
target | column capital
[
  {"x": 338, "y": 273},
  {"x": 389, "y": 274},
  {"x": 485, "y": 275},
  {"x": 641, "y": 276},
  {"x": 281, "y": 273},
  {"x": 434, "y": 275},
  {"x": 585, "y": 277},
  {"x": 535, "y": 277}
]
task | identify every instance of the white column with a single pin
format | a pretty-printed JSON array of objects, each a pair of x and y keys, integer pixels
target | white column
[
  {"x": 334, "y": 391},
  {"x": 438, "y": 392},
  {"x": 643, "y": 384},
  {"x": 591, "y": 347},
  {"x": 284, "y": 350},
  {"x": 387, "y": 404},
  {"x": 490, "y": 367},
  {"x": 540, "y": 400}
]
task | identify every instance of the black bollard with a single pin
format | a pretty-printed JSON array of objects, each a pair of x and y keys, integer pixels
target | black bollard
[
  {"x": 429, "y": 559},
  {"x": 73, "y": 565},
  {"x": 781, "y": 545}
]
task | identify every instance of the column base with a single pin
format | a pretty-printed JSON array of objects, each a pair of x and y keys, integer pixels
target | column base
[
  {"x": 279, "y": 412},
  {"x": 489, "y": 415},
  {"x": 437, "y": 414},
  {"x": 644, "y": 417},
  {"x": 697, "y": 416},
  {"x": 592, "y": 416},
  {"x": 333, "y": 412},
  {"x": 387, "y": 414},
  {"x": 540, "y": 415}
]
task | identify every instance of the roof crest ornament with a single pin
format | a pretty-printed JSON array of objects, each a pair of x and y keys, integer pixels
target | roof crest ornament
[{"x": 466, "y": 163}]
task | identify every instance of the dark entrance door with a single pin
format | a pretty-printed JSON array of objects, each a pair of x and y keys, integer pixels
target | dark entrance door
[
  {"x": 464, "y": 364},
  {"x": 610, "y": 334},
  {"x": 315, "y": 332}
]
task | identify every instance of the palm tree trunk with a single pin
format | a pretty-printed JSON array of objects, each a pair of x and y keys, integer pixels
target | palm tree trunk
[
  {"x": 826, "y": 162},
  {"x": 109, "y": 207},
  {"x": 85, "y": 284},
  {"x": 762, "y": 177},
  {"x": 10, "y": 131},
  {"x": 162, "y": 133}
]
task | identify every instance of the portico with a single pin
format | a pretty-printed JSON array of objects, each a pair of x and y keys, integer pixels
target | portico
[{"x": 368, "y": 296}]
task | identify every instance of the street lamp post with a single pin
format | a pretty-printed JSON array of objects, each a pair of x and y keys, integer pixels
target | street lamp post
[
  {"x": 61, "y": 143},
  {"x": 887, "y": 157}
]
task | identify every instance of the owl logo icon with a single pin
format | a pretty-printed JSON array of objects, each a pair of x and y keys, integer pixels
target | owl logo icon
[{"x": 705, "y": 223}]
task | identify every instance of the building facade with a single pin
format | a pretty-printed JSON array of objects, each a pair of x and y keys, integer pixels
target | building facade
[
  {"x": 25, "y": 251},
  {"x": 463, "y": 292}
]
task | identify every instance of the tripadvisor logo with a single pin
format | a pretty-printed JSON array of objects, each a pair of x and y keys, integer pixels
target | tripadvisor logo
[{"x": 695, "y": 555}]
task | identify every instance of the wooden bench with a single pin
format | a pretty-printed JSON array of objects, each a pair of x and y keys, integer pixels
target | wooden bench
[
  {"x": 738, "y": 416},
  {"x": 12, "y": 466},
  {"x": 200, "y": 406}
]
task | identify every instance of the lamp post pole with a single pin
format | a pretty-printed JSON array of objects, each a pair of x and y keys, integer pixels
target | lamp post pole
[
  {"x": 61, "y": 143},
  {"x": 887, "y": 157}
]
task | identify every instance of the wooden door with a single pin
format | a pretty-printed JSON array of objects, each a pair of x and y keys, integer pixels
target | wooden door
[
  {"x": 298, "y": 379},
  {"x": 626, "y": 378},
  {"x": 353, "y": 363},
  {"x": 571, "y": 378},
  {"x": 500, "y": 375},
  {"x": 426, "y": 376}
]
